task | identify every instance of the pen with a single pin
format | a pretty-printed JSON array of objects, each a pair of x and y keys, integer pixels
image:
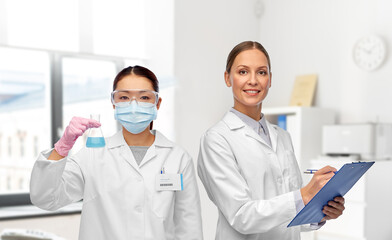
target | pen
[{"x": 312, "y": 171}]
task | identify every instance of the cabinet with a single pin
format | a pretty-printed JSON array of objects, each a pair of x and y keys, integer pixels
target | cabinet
[
  {"x": 305, "y": 127},
  {"x": 368, "y": 211}
]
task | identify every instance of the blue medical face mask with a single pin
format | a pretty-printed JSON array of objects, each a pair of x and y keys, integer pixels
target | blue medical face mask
[{"x": 135, "y": 117}]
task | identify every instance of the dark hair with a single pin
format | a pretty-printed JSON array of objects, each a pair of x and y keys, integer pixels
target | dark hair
[
  {"x": 138, "y": 71},
  {"x": 247, "y": 45}
]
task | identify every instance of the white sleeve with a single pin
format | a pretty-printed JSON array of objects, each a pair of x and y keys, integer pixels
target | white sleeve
[
  {"x": 312, "y": 226},
  {"x": 54, "y": 184},
  {"x": 218, "y": 170},
  {"x": 187, "y": 212}
]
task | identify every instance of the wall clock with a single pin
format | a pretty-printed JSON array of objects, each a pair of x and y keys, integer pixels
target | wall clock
[{"x": 369, "y": 52}]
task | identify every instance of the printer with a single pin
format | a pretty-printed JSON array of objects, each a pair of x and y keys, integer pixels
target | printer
[{"x": 368, "y": 141}]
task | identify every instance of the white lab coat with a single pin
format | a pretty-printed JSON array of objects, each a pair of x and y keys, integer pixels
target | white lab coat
[
  {"x": 251, "y": 183},
  {"x": 120, "y": 200}
]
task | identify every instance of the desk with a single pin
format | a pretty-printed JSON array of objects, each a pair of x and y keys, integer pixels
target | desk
[{"x": 63, "y": 222}]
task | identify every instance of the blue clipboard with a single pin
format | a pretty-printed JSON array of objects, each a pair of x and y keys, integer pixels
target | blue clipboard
[{"x": 338, "y": 185}]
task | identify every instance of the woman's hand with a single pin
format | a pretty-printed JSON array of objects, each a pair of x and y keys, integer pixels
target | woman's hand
[
  {"x": 334, "y": 209},
  {"x": 75, "y": 129},
  {"x": 319, "y": 179}
]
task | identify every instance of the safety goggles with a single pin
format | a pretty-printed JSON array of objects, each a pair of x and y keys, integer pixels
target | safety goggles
[{"x": 124, "y": 97}]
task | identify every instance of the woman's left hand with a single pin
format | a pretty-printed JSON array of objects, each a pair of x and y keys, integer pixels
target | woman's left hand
[{"x": 334, "y": 209}]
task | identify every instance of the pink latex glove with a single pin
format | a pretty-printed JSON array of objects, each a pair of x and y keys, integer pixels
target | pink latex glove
[{"x": 75, "y": 129}]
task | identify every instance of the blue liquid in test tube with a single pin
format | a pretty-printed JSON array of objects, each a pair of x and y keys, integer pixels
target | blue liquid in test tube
[
  {"x": 95, "y": 137},
  {"x": 95, "y": 142}
]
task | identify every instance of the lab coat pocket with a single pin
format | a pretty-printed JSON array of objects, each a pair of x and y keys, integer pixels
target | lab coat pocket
[
  {"x": 163, "y": 203},
  {"x": 293, "y": 173}
]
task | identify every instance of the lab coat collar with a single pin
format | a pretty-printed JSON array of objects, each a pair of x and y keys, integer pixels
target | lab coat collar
[
  {"x": 273, "y": 133},
  {"x": 161, "y": 140},
  {"x": 234, "y": 122},
  {"x": 118, "y": 141}
]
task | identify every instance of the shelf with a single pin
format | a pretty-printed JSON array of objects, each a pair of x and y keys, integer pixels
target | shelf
[{"x": 305, "y": 127}]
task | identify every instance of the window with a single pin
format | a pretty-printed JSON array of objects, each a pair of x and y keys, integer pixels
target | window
[
  {"x": 8, "y": 186},
  {"x": 9, "y": 147},
  {"x": 24, "y": 112},
  {"x": 36, "y": 146},
  {"x": 87, "y": 85},
  {"x": 1, "y": 144},
  {"x": 26, "y": 100},
  {"x": 45, "y": 62}
]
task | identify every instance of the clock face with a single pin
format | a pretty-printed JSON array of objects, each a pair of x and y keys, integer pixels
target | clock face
[{"x": 369, "y": 53}]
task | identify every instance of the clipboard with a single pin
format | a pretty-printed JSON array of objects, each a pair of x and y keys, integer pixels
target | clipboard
[{"x": 338, "y": 185}]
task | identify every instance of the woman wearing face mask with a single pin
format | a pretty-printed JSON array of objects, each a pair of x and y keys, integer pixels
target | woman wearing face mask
[
  {"x": 247, "y": 165},
  {"x": 139, "y": 186}
]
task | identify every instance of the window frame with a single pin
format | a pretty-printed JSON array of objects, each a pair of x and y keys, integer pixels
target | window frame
[{"x": 56, "y": 104}]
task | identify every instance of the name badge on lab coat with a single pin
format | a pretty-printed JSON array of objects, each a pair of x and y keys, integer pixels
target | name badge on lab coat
[{"x": 169, "y": 182}]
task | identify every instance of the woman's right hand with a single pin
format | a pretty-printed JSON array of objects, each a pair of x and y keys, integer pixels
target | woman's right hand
[
  {"x": 319, "y": 179},
  {"x": 75, "y": 129}
]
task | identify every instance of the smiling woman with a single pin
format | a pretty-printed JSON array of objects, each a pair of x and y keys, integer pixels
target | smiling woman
[
  {"x": 250, "y": 78},
  {"x": 248, "y": 166}
]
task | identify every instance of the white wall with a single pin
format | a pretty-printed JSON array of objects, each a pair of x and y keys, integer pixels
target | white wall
[
  {"x": 160, "y": 58},
  {"x": 305, "y": 36},
  {"x": 160, "y": 34},
  {"x": 205, "y": 32}
]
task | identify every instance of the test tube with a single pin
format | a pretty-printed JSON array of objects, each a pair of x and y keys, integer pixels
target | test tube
[{"x": 95, "y": 137}]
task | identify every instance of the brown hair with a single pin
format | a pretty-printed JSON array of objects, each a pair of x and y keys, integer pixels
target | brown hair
[
  {"x": 247, "y": 45},
  {"x": 138, "y": 71}
]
